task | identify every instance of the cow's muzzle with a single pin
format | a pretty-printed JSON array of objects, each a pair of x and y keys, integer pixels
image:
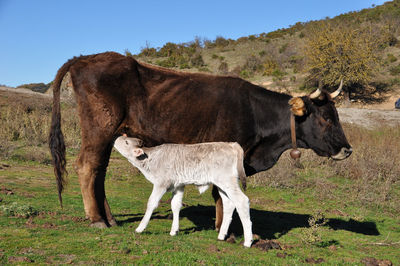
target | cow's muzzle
[{"x": 343, "y": 154}]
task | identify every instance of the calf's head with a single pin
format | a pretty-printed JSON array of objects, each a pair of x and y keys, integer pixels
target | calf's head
[
  {"x": 130, "y": 148},
  {"x": 318, "y": 126}
]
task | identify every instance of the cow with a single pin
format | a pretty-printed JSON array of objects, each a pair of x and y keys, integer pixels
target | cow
[
  {"x": 169, "y": 167},
  {"x": 118, "y": 95}
]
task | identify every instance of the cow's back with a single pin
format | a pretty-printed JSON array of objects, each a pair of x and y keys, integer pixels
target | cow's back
[{"x": 191, "y": 108}]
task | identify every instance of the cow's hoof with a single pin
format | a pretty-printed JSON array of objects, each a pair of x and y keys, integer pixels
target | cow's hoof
[
  {"x": 99, "y": 224},
  {"x": 113, "y": 222}
]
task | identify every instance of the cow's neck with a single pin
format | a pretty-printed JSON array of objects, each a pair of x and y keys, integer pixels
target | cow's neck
[{"x": 274, "y": 135}]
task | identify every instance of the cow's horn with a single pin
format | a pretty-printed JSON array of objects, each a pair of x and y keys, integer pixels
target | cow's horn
[
  {"x": 338, "y": 91},
  {"x": 315, "y": 94}
]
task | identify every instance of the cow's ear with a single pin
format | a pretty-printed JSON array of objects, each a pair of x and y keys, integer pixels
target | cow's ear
[
  {"x": 298, "y": 107},
  {"x": 138, "y": 152}
]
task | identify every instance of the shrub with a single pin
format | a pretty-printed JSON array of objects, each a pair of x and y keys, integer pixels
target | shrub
[
  {"x": 197, "y": 61},
  {"x": 262, "y": 53},
  {"x": 18, "y": 210},
  {"x": 283, "y": 48},
  {"x": 221, "y": 42},
  {"x": 278, "y": 74},
  {"x": 312, "y": 235},
  {"x": 223, "y": 68},
  {"x": 336, "y": 51},
  {"x": 244, "y": 74},
  {"x": 391, "y": 58},
  {"x": 395, "y": 70}
]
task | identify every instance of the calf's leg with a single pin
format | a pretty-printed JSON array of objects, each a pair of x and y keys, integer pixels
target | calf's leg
[
  {"x": 176, "y": 205},
  {"x": 242, "y": 204},
  {"x": 152, "y": 204}
]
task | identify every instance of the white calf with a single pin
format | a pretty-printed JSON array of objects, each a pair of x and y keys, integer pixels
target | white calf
[{"x": 172, "y": 166}]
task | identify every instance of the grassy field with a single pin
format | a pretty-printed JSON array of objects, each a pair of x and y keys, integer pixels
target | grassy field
[{"x": 327, "y": 212}]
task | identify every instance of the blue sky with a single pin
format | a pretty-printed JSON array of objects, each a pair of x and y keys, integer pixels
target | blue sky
[{"x": 38, "y": 36}]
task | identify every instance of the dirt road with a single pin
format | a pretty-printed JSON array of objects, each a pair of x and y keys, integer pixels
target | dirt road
[{"x": 369, "y": 118}]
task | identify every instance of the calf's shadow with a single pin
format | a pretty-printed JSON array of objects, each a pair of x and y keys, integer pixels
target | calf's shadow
[
  {"x": 272, "y": 225},
  {"x": 266, "y": 224}
]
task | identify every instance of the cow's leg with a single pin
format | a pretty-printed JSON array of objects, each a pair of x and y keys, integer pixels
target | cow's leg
[
  {"x": 242, "y": 204},
  {"x": 152, "y": 204},
  {"x": 100, "y": 118},
  {"x": 218, "y": 208},
  {"x": 176, "y": 205},
  {"x": 110, "y": 217},
  {"x": 229, "y": 207},
  {"x": 91, "y": 167}
]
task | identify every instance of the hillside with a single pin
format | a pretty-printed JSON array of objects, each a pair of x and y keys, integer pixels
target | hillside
[{"x": 278, "y": 59}]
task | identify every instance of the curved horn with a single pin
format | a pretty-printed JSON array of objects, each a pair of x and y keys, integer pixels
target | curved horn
[
  {"x": 338, "y": 91},
  {"x": 315, "y": 94}
]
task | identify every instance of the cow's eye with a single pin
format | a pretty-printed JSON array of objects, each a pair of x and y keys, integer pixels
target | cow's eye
[{"x": 126, "y": 142}]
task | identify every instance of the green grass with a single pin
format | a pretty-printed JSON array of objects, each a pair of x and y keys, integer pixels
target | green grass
[{"x": 62, "y": 236}]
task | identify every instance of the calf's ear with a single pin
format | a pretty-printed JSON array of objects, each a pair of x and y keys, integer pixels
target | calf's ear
[
  {"x": 297, "y": 105},
  {"x": 137, "y": 152}
]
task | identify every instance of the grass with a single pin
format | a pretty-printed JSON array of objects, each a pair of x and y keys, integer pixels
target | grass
[{"x": 289, "y": 213}]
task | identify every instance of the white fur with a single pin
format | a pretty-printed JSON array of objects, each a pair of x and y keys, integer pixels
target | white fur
[{"x": 172, "y": 166}]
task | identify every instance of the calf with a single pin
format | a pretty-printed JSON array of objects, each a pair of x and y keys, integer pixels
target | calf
[{"x": 172, "y": 166}]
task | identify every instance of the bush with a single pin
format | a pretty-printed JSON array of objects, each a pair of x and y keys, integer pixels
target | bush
[
  {"x": 221, "y": 42},
  {"x": 18, "y": 210},
  {"x": 197, "y": 61},
  {"x": 395, "y": 70},
  {"x": 391, "y": 58},
  {"x": 223, "y": 68},
  {"x": 339, "y": 51},
  {"x": 283, "y": 48}
]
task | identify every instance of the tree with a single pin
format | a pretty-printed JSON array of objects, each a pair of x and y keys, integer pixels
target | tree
[{"x": 338, "y": 51}]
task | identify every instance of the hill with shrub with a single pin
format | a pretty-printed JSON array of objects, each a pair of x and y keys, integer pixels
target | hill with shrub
[{"x": 362, "y": 48}]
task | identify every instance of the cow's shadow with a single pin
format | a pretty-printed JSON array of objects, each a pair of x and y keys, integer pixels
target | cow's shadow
[{"x": 266, "y": 224}]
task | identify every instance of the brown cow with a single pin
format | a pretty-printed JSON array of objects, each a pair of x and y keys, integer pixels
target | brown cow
[{"x": 116, "y": 95}]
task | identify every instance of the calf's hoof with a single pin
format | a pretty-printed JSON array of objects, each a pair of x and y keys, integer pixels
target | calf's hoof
[
  {"x": 173, "y": 233},
  {"x": 247, "y": 244},
  {"x": 99, "y": 224},
  {"x": 139, "y": 230},
  {"x": 221, "y": 237}
]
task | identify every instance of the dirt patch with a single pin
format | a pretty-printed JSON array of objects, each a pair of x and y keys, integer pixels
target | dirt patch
[
  {"x": 3, "y": 166},
  {"x": 266, "y": 245},
  {"x": 368, "y": 261},
  {"x": 6, "y": 191},
  {"x": 314, "y": 261},
  {"x": 13, "y": 259},
  {"x": 369, "y": 118}
]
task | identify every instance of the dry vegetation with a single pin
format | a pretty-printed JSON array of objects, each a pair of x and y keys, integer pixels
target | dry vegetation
[
  {"x": 370, "y": 177},
  {"x": 25, "y": 123}
]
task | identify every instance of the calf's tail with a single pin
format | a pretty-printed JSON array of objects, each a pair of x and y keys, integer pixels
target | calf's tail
[
  {"x": 240, "y": 167},
  {"x": 56, "y": 137}
]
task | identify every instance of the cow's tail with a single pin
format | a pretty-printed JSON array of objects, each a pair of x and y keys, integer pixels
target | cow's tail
[
  {"x": 240, "y": 167},
  {"x": 56, "y": 137}
]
